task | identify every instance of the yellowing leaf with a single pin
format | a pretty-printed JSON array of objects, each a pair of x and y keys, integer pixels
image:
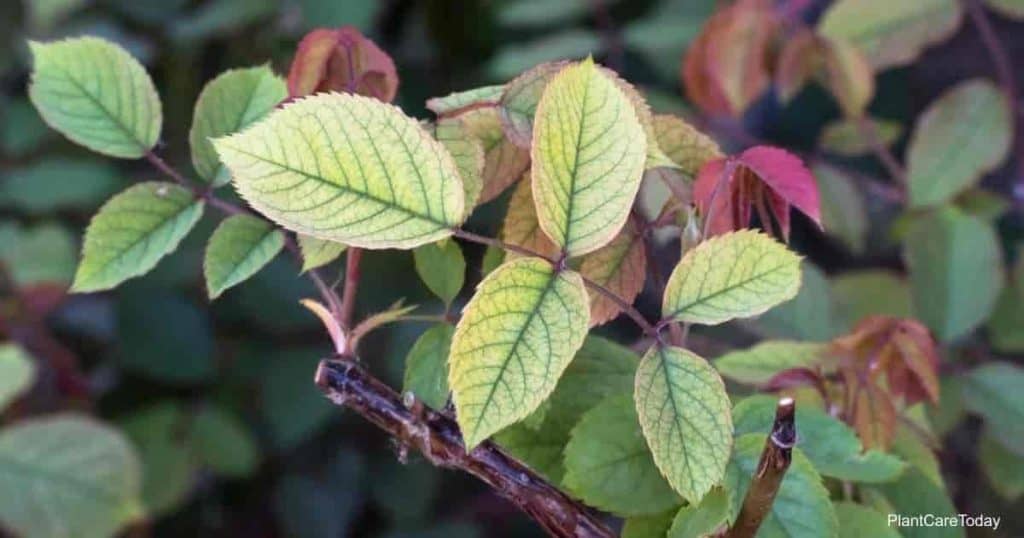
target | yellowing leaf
[
  {"x": 686, "y": 418},
  {"x": 229, "y": 103},
  {"x": 516, "y": 336},
  {"x": 97, "y": 95},
  {"x": 468, "y": 153},
  {"x": 889, "y": 33},
  {"x": 736, "y": 275},
  {"x": 504, "y": 162},
  {"x": 238, "y": 248},
  {"x": 132, "y": 231},
  {"x": 588, "y": 155},
  {"x": 521, "y": 227},
  {"x": 347, "y": 168},
  {"x": 318, "y": 252},
  {"x": 619, "y": 266},
  {"x": 684, "y": 144},
  {"x": 962, "y": 135}
]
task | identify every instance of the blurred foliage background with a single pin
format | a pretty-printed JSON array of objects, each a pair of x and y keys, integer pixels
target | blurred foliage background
[{"x": 218, "y": 399}]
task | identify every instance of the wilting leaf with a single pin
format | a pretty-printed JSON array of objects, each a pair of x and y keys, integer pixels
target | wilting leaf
[
  {"x": 726, "y": 67},
  {"x": 846, "y": 137},
  {"x": 891, "y": 34},
  {"x": 97, "y": 95},
  {"x": 504, "y": 162},
  {"x": 829, "y": 444},
  {"x": 763, "y": 177},
  {"x": 327, "y": 178},
  {"x": 521, "y": 227},
  {"x": 132, "y": 232},
  {"x": 737, "y": 275},
  {"x": 81, "y": 474},
  {"x": 956, "y": 271},
  {"x": 757, "y": 365},
  {"x": 318, "y": 252},
  {"x": 588, "y": 155},
  {"x": 1004, "y": 469},
  {"x": 229, "y": 103},
  {"x": 685, "y": 415},
  {"x": 442, "y": 268},
  {"x": 458, "y": 101},
  {"x": 17, "y": 372},
  {"x": 609, "y": 466},
  {"x": 468, "y": 153},
  {"x": 842, "y": 207},
  {"x": 702, "y": 519},
  {"x": 516, "y": 336},
  {"x": 238, "y": 248},
  {"x": 342, "y": 60},
  {"x": 858, "y": 521},
  {"x": 801, "y": 509},
  {"x": 684, "y": 144},
  {"x": 426, "y": 366},
  {"x": 960, "y": 137},
  {"x": 619, "y": 266},
  {"x": 993, "y": 391}
]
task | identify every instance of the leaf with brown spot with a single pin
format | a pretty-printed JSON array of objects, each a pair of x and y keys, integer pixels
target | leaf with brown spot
[{"x": 619, "y": 266}]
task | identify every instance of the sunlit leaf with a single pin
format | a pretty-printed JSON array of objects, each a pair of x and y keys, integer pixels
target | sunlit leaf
[
  {"x": 516, "y": 336},
  {"x": 737, "y": 275},
  {"x": 588, "y": 155},
  {"x": 960, "y": 137},
  {"x": 504, "y": 162},
  {"x": 329, "y": 177},
  {"x": 17, "y": 372},
  {"x": 132, "y": 231},
  {"x": 468, "y": 153},
  {"x": 757, "y": 365},
  {"x": 97, "y": 95},
  {"x": 318, "y": 252},
  {"x": 454, "y": 102},
  {"x": 442, "y": 268},
  {"x": 620, "y": 267},
  {"x": 228, "y": 104},
  {"x": 238, "y": 248},
  {"x": 426, "y": 366},
  {"x": 684, "y": 144},
  {"x": 685, "y": 415}
]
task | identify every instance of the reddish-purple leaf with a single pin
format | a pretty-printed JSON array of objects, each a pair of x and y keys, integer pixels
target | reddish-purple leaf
[{"x": 343, "y": 60}]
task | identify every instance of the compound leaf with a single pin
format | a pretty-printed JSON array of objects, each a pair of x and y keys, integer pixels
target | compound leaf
[
  {"x": 238, "y": 248},
  {"x": 516, "y": 336},
  {"x": 347, "y": 168},
  {"x": 132, "y": 231}
]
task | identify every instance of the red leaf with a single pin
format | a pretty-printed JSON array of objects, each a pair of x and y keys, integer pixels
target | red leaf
[
  {"x": 343, "y": 60},
  {"x": 786, "y": 175}
]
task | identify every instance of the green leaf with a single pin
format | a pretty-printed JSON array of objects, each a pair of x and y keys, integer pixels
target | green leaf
[
  {"x": 808, "y": 316},
  {"x": 228, "y": 104},
  {"x": 1004, "y": 469},
  {"x": 17, "y": 372},
  {"x": 468, "y": 152},
  {"x": 223, "y": 443},
  {"x": 238, "y": 248},
  {"x": 963, "y": 135},
  {"x": 891, "y": 34},
  {"x": 67, "y": 472},
  {"x": 1004, "y": 325},
  {"x": 858, "y": 521},
  {"x": 458, "y": 100},
  {"x": 956, "y": 271},
  {"x": 1013, "y": 9},
  {"x": 97, "y": 95},
  {"x": 801, "y": 509},
  {"x": 736, "y": 275},
  {"x": 914, "y": 494},
  {"x": 609, "y": 466},
  {"x": 859, "y": 294},
  {"x": 843, "y": 213},
  {"x": 442, "y": 268},
  {"x": 132, "y": 231},
  {"x": 318, "y": 252},
  {"x": 685, "y": 415},
  {"x": 540, "y": 448},
  {"x": 516, "y": 336},
  {"x": 426, "y": 366},
  {"x": 588, "y": 155},
  {"x": 351, "y": 169},
  {"x": 757, "y": 365},
  {"x": 59, "y": 183},
  {"x": 170, "y": 470},
  {"x": 684, "y": 144},
  {"x": 655, "y": 526},
  {"x": 43, "y": 254},
  {"x": 829, "y": 444},
  {"x": 702, "y": 519},
  {"x": 845, "y": 137},
  {"x": 993, "y": 391}
]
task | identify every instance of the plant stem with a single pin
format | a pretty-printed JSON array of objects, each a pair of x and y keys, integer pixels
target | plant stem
[
  {"x": 775, "y": 460},
  {"x": 437, "y": 437},
  {"x": 348, "y": 294}
]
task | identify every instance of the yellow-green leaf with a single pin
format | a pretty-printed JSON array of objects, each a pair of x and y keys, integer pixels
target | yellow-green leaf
[
  {"x": 17, "y": 371},
  {"x": 97, "y": 95},
  {"x": 588, "y": 155},
  {"x": 963, "y": 135},
  {"x": 889, "y": 33},
  {"x": 619, "y": 266},
  {"x": 521, "y": 227},
  {"x": 453, "y": 102},
  {"x": 468, "y": 153},
  {"x": 684, "y": 144},
  {"x": 516, "y": 336},
  {"x": 229, "y": 103},
  {"x": 347, "y": 168},
  {"x": 757, "y": 365},
  {"x": 504, "y": 162},
  {"x": 132, "y": 231},
  {"x": 686, "y": 417},
  {"x": 442, "y": 268},
  {"x": 736, "y": 275},
  {"x": 318, "y": 252},
  {"x": 238, "y": 248}
]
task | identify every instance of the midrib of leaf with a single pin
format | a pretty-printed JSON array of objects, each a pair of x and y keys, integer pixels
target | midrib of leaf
[
  {"x": 575, "y": 164},
  {"x": 727, "y": 289},
  {"x": 13, "y": 466},
  {"x": 99, "y": 104},
  {"x": 257, "y": 247},
  {"x": 512, "y": 351},
  {"x": 670, "y": 390}
]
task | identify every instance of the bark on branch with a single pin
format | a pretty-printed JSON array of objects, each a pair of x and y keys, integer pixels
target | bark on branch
[
  {"x": 775, "y": 460},
  {"x": 437, "y": 436}
]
